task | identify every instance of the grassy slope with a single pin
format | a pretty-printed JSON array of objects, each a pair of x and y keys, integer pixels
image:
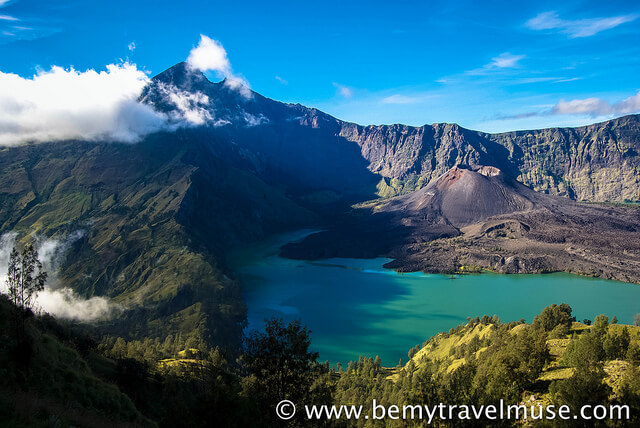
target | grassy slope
[
  {"x": 58, "y": 386},
  {"x": 442, "y": 348}
]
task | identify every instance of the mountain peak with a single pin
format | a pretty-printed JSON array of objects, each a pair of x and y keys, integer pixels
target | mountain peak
[{"x": 183, "y": 77}]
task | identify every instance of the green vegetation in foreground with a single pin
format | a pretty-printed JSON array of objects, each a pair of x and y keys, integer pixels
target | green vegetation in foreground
[
  {"x": 64, "y": 378},
  {"x": 50, "y": 377}
]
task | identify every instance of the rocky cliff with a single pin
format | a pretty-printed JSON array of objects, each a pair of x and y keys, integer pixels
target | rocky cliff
[{"x": 598, "y": 162}]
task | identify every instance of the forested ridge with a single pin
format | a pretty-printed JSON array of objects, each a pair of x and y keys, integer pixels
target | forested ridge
[{"x": 62, "y": 374}]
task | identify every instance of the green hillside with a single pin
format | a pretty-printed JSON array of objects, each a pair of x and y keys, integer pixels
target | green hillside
[
  {"x": 157, "y": 219},
  {"x": 44, "y": 382}
]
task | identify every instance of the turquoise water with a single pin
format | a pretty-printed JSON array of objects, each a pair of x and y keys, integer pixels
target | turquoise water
[{"x": 355, "y": 307}]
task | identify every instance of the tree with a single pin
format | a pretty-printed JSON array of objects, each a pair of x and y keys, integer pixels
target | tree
[
  {"x": 280, "y": 365},
  {"x": 553, "y": 316},
  {"x": 378, "y": 361},
  {"x": 25, "y": 279},
  {"x": 633, "y": 354},
  {"x": 413, "y": 351},
  {"x": 616, "y": 345},
  {"x": 585, "y": 351},
  {"x": 629, "y": 393},
  {"x": 600, "y": 325},
  {"x": 585, "y": 387},
  {"x": 559, "y": 332},
  {"x": 506, "y": 370}
]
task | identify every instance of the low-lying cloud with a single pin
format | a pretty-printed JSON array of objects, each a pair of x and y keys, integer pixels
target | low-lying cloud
[
  {"x": 188, "y": 106},
  {"x": 62, "y": 104},
  {"x": 598, "y": 106},
  {"x": 65, "y": 303},
  {"x": 57, "y": 300},
  {"x": 592, "y": 107}
]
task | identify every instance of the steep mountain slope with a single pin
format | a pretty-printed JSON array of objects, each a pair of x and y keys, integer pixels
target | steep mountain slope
[
  {"x": 598, "y": 162},
  {"x": 158, "y": 218},
  {"x": 287, "y": 144},
  {"x": 49, "y": 383}
]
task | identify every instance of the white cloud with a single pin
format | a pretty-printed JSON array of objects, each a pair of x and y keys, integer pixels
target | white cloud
[
  {"x": 252, "y": 120},
  {"x": 598, "y": 107},
  {"x": 576, "y": 28},
  {"x": 628, "y": 105},
  {"x": 591, "y": 107},
  {"x": 20, "y": 32},
  {"x": 62, "y": 301},
  {"x": 210, "y": 55},
  {"x": 65, "y": 303},
  {"x": 572, "y": 79},
  {"x": 399, "y": 99},
  {"x": 240, "y": 85},
  {"x": 8, "y": 18},
  {"x": 345, "y": 91},
  {"x": 64, "y": 104},
  {"x": 505, "y": 60},
  {"x": 281, "y": 80},
  {"x": 190, "y": 107},
  {"x": 132, "y": 46}
]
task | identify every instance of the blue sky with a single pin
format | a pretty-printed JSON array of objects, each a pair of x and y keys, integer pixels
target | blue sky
[{"x": 491, "y": 66}]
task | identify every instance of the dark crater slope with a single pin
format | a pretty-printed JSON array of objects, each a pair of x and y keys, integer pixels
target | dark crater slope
[
  {"x": 471, "y": 219},
  {"x": 464, "y": 196}
]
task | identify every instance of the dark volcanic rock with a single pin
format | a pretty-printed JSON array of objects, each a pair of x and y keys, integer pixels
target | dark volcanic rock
[
  {"x": 479, "y": 218},
  {"x": 464, "y": 196}
]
